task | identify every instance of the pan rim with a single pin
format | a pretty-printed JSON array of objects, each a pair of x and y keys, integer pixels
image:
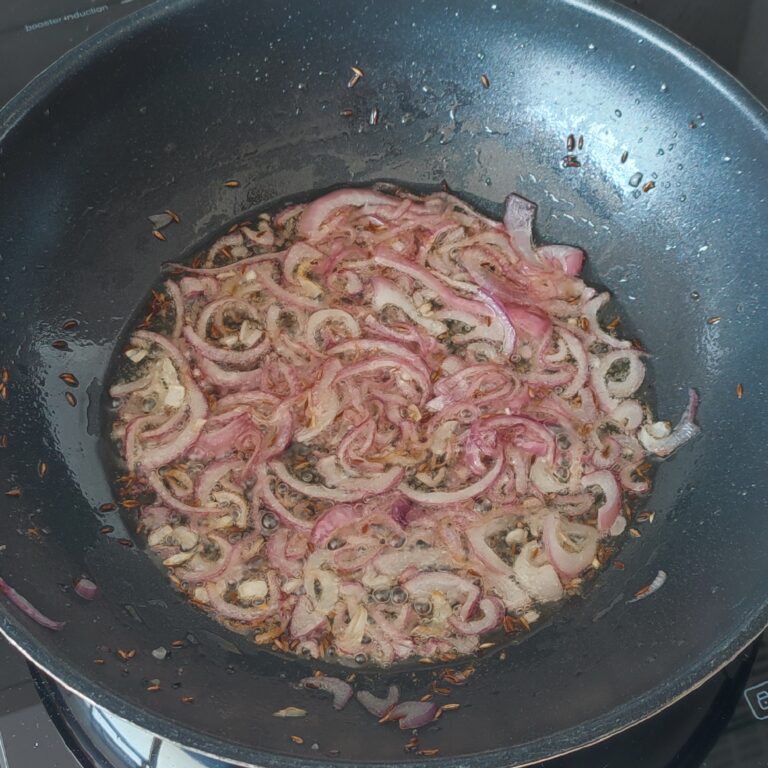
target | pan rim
[{"x": 13, "y": 115}]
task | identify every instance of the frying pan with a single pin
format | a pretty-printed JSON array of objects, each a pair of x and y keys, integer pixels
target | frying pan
[{"x": 159, "y": 111}]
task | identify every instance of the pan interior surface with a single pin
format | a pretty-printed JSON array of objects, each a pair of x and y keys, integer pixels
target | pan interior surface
[{"x": 667, "y": 195}]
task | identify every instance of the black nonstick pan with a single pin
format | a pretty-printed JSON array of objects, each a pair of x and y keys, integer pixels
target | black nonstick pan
[{"x": 667, "y": 194}]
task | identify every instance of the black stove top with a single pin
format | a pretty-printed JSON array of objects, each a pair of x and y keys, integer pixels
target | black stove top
[{"x": 723, "y": 724}]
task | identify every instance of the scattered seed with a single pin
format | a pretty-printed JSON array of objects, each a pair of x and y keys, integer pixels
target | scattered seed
[
  {"x": 187, "y": 699},
  {"x": 714, "y": 320},
  {"x": 3, "y": 391},
  {"x": 126, "y": 655},
  {"x": 177, "y": 644},
  {"x": 105, "y": 529},
  {"x": 373, "y": 118},
  {"x": 439, "y": 690},
  {"x": 70, "y": 379},
  {"x": 125, "y": 543},
  {"x": 232, "y": 183},
  {"x": 426, "y": 697},
  {"x": 618, "y": 565},
  {"x": 98, "y": 661},
  {"x": 485, "y": 81},
  {"x": 509, "y": 625},
  {"x": 648, "y": 186},
  {"x": 107, "y": 506},
  {"x": 692, "y": 124},
  {"x": 571, "y": 161},
  {"x": 158, "y": 235},
  {"x": 651, "y": 517},
  {"x": 290, "y": 712},
  {"x": 71, "y": 399},
  {"x": 411, "y": 744},
  {"x": 346, "y": 113},
  {"x": 428, "y": 752},
  {"x": 153, "y": 686},
  {"x": 42, "y": 469},
  {"x": 3, "y": 441},
  {"x": 525, "y": 623},
  {"x": 486, "y": 646},
  {"x": 60, "y": 344},
  {"x": 297, "y": 740},
  {"x": 129, "y": 503},
  {"x": 580, "y": 144},
  {"x": 354, "y": 80},
  {"x": 614, "y": 324},
  {"x": 634, "y": 533},
  {"x": 357, "y": 71},
  {"x": 6, "y": 376},
  {"x": 624, "y": 156},
  {"x": 174, "y": 216},
  {"x": 570, "y": 143},
  {"x": 450, "y": 707},
  {"x": 739, "y": 391},
  {"x": 425, "y": 660},
  {"x": 14, "y": 492}
]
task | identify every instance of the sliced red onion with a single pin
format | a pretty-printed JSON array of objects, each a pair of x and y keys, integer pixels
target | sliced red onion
[
  {"x": 319, "y": 211},
  {"x": 570, "y": 547},
  {"x": 229, "y": 380},
  {"x": 287, "y": 297},
  {"x": 536, "y": 575},
  {"x": 265, "y": 492},
  {"x": 390, "y": 350},
  {"x": 156, "y": 483},
  {"x": 448, "y": 584},
  {"x": 404, "y": 382},
  {"x": 85, "y": 588},
  {"x": 359, "y": 489},
  {"x": 628, "y": 414},
  {"x": 377, "y": 706},
  {"x": 338, "y": 516},
  {"x": 658, "y": 438},
  {"x": 386, "y": 294},
  {"x": 253, "y": 614},
  {"x": 530, "y": 436},
  {"x": 492, "y": 612},
  {"x": 27, "y": 608},
  {"x": 317, "y": 319},
  {"x": 519, "y": 214},
  {"x": 412, "y": 714},
  {"x": 608, "y": 511},
  {"x": 450, "y": 497},
  {"x": 569, "y": 258},
  {"x": 236, "y": 358},
  {"x": 607, "y": 454},
  {"x": 178, "y": 307},
  {"x": 277, "y": 555},
  {"x": 340, "y": 691},
  {"x": 192, "y": 287},
  {"x": 117, "y": 391},
  {"x": 591, "y": 308},
  {"x": 432, "y": 282},
  {"x": 305, "y": 620},
  {"x": 198, "y": 569}
]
